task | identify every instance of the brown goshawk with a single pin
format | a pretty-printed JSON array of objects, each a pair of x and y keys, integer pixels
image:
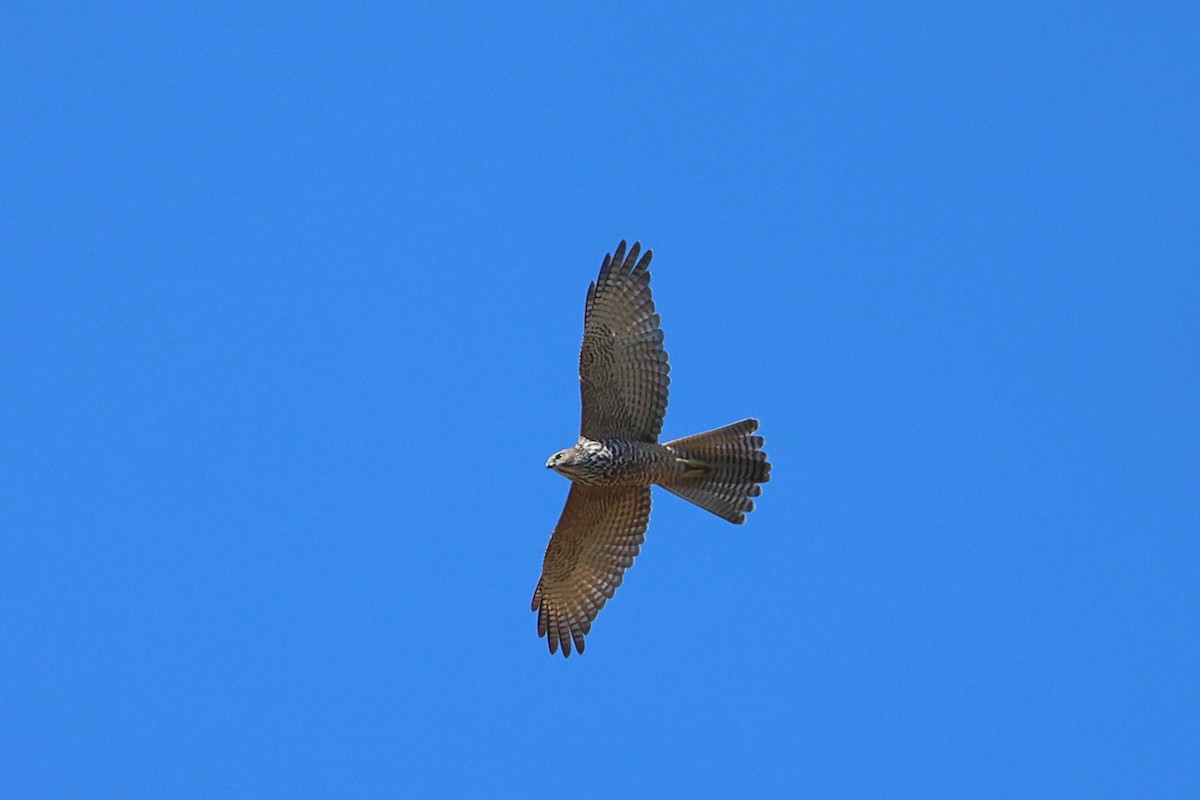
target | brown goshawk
[{"x": 623, "y": 376}]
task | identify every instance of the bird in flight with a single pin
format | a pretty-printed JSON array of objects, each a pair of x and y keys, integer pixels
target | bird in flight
[{"x": 623, "y": 378}]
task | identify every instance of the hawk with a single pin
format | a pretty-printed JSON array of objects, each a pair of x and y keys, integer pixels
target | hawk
[{"x": 623, "y": 378}]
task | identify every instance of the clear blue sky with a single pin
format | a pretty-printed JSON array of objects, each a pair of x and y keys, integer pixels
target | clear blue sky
[{"x": 290, "y": 303}]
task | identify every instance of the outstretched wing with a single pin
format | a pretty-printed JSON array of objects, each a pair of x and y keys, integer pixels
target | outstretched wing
[
  {"x": 623, "y": 370},
  {"x": 597, "y": 537}
]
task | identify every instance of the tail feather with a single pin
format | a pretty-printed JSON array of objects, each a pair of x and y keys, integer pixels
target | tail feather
[{"x": 723, "y": 469}]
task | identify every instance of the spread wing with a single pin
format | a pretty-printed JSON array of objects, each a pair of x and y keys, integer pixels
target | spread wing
[
  {"x": 598, "y": 536},
  {"x": 623, "y": 370}
]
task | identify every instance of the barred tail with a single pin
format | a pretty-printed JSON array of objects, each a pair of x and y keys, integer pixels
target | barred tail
[{"x": 724, "y": 468}]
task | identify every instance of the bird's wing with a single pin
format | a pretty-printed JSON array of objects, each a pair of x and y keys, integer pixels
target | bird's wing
[
  {"x": 598, "y": 536},
  {"x": 623, "y": 370}
]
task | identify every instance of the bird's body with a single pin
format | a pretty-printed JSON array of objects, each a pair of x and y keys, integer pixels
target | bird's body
[
  {"x": 623, "y": 374},
  {"x": 616, "y": 462}
]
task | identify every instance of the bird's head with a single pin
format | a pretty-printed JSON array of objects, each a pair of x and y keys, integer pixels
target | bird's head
[{"x": 565, "y": 462}]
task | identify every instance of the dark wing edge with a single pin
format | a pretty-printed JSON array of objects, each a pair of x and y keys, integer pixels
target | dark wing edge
[
  {"x": 624, "y": 374},
  {"x": 597, "y": 538}
]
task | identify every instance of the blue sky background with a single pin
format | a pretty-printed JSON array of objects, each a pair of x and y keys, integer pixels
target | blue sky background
[{"x": 290, "y": 303}]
